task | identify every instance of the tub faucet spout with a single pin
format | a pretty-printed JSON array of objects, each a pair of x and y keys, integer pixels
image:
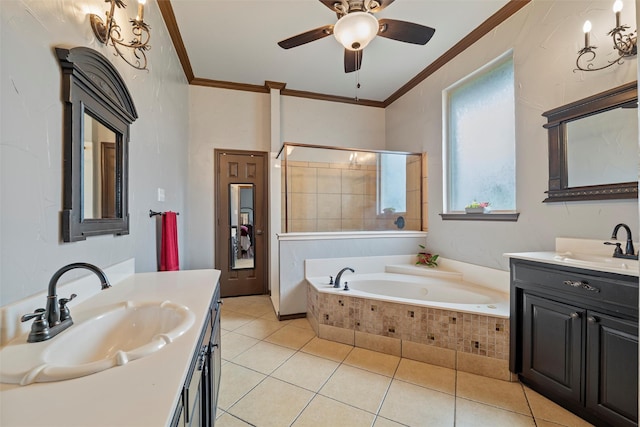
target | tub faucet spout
[{"x": 336, "y": 283}]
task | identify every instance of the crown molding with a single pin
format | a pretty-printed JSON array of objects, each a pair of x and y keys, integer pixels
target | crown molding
[
  {"x": 492, "y": 22},
  {"x": 174, "y": 32}
]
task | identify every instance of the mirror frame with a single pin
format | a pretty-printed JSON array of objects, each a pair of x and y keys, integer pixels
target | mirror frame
[
  {"x": 91, "y": 83},
  {"x": 557, "y": 119}
]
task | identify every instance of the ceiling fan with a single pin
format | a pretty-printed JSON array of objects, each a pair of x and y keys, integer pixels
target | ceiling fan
[{"x": 357, "y": 26}]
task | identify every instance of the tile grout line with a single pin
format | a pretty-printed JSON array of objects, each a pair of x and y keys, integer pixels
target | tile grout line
[
  {"x": 316, "y": 393},
  {"x": 386, "y": 392},
  {"x": 526, "y": 397}
]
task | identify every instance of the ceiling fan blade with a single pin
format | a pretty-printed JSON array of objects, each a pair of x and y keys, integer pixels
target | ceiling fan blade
[
  {"x": 403, "y": 31},
  {"x": 382, "y": 3},
  {"x": 352, "y": 60},
  {"x": 330, "y": 3},
  {"x": 306, "y": 37}
]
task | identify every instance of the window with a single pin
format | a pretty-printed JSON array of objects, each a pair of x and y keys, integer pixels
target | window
[
  {"x": 480, "y": 139},
  {"x": 393, "y": 176}
]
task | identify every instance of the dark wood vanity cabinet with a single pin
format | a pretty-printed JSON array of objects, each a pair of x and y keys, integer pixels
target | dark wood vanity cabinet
[
  {"x": 612, "y": 368},
  {"x": 574, "y": 339},
  {"x": 199, "y": 397}
]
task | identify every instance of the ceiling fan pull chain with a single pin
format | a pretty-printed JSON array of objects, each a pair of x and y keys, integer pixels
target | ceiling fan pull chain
[{"x": 357, "y": 75}]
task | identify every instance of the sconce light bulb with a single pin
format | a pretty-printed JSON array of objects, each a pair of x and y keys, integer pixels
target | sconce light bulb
[
  {"x": 140, "y": 16},
  {"x": 617, "y": 6},
  {"x": 586, "y": 27}
]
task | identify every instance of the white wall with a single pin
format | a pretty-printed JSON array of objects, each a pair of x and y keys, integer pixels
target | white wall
[
  {"x": 308, "y": 121},
  {"x": 31, "y": 143},
  {"x": 221, "y": 118},
  {"x": 545, "y": 36}
]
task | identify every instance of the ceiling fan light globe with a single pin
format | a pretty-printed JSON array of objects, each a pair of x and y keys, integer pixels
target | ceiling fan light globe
[{"x": 355, "y": 30}]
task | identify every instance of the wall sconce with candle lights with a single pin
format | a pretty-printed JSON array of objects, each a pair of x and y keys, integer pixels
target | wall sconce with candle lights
[
  {"x": 625, "y": 43},
  {"x": 109, "y": 31}
]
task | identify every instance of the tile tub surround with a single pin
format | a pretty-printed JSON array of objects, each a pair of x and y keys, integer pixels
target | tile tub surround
[{"x": 476, "y": 343}]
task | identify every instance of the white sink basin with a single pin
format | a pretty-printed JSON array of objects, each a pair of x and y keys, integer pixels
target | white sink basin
[
  {"x": 597, "y": 261},
  {"x": 115, "y": 336}
]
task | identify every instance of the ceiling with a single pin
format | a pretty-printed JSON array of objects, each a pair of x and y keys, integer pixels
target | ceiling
[{"x": 233, "y": 43}]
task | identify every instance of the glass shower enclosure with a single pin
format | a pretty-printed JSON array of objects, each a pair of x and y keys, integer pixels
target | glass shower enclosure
[{"x": 332, "y": 189}]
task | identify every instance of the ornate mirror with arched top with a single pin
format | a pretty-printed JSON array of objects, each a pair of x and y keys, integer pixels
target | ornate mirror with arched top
[
  {"x": 593, "y": 147},
  {"x": 98, "y": 110}
]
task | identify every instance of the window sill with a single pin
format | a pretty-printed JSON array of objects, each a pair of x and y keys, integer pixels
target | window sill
[{"x": 491, "y": 216}]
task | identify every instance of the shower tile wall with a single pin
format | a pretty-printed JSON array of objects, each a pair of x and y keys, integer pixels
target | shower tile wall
[{"x": 342, "y": 197}]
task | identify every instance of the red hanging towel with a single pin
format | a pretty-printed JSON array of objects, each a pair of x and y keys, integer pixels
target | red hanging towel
[{"x": 169, "y": 249}]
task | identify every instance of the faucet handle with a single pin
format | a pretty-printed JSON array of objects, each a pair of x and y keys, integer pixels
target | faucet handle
[
  {"x": 617, "y": 250},
  {"x": 331, "y": 280},
  {"x": 64, "y": 310},
  {"x": 63, "y": 301},
  {"x": 38, "y": 315},
  {"x": 39, "y": 327}
]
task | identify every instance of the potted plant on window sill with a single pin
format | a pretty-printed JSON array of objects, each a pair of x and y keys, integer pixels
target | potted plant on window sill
[
  {"x": 425, "y": 258},
  {"x": 477, "y": 207}
]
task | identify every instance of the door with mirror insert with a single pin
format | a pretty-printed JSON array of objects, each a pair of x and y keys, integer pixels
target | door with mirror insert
[{"x": 241, "y": 218}]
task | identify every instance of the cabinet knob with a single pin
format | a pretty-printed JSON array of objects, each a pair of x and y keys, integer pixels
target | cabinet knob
[
  {"x": 592, "y": 319},
  {"x": 575, "y": 315}
]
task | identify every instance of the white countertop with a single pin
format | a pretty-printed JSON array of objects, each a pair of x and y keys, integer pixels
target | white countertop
[
  {"x": 569, "y": 259},
  {"x": 589, "y": 254},
  {"x": 143, "y": 392}
]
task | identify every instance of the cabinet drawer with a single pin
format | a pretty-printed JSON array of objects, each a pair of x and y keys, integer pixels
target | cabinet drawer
[{"x": 615, "y": 291}]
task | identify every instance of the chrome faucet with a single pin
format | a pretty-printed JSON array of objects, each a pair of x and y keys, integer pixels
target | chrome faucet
[
  {"x": 629, "y": 250},
  {"x": 336, "y": 283},
  {"x": 56, "y": 318}
]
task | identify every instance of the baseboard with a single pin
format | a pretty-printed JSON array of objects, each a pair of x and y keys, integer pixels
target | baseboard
[{"x": 292, "y": 316}]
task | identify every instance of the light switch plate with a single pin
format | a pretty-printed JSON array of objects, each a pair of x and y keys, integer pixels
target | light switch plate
[{"x": 161, "y": 194}]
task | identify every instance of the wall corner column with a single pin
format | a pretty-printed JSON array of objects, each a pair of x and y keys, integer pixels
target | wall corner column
[{"x": 275, "y": 189}]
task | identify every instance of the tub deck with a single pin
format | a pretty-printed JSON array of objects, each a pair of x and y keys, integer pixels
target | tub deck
[{"x": 439, "y": 291}]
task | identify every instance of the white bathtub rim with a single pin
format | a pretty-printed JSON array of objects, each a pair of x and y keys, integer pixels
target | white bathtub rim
[
  {"x": 499, "y": 308},
  {"x": 497, "y": 280}
]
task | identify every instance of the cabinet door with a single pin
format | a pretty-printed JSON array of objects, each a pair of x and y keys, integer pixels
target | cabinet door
[
  {"x": 612, "y": 369},
  {"x": 552, "y": 346},
  {"x": 216, "y": 363},
  {"x": 194, "y": 391}
]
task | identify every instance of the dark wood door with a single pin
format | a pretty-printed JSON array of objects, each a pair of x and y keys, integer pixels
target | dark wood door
[
  {"x": 552, "y": 346},
  {"x": 241, "y": 222},
  {"x": 612, "y": 369}
]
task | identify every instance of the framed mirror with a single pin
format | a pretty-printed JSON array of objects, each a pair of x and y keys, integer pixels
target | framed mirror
[
  {"x": 593, "y": 147},
  {"x": 241, "y": 203},
  {"x": 98, "y": 110}
]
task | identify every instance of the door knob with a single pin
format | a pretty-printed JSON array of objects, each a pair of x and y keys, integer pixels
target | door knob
[{"x": 259, "y": 232}]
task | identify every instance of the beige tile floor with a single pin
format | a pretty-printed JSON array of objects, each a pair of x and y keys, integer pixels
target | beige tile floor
[{"x": 280, "y": 374}]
